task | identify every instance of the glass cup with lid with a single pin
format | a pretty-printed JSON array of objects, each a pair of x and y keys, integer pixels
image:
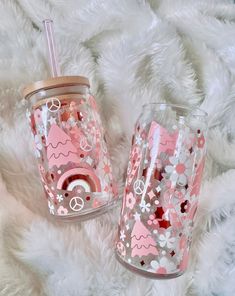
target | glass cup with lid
[{"x": 70, "y": 147}]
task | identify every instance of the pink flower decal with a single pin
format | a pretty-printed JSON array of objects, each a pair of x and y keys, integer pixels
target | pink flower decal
[
  {"x": 62, "y": 211},
  {"x": 162, "y": 266},
  {"x": 152, "y": 220},
  {"x": 180, "y": 169},
  {"x": 130, "y": 200}
]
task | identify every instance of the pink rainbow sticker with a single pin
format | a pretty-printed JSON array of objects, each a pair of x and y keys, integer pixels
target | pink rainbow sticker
[{"x": 79, "y": 177}]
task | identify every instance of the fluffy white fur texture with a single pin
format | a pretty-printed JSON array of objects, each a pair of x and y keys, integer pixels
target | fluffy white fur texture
[{"x": 133, "y": 51}]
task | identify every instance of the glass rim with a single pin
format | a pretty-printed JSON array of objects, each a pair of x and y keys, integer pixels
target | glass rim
[{"x": 191, "y": 110}]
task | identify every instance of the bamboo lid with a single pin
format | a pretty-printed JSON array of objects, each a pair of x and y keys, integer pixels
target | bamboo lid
[{"x": 53, "y": 83}]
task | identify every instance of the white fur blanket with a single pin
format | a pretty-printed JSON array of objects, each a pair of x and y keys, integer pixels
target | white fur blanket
[{"x": 133, "y": 51}]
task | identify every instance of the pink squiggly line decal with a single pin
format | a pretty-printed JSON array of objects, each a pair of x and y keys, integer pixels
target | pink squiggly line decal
[{"x": 59, "y": 143}]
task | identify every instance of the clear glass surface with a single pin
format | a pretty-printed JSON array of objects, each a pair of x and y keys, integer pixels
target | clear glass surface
[
  {"x": 161, "y": 191},
  {"x": 71, "y": 151}
]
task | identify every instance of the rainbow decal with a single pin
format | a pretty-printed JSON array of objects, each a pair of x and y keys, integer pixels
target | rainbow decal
[{"x": 82, "y": 177}]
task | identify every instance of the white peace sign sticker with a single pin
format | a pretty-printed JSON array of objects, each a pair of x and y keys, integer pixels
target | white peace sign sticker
[
  {"x": 53, "y": 104},
  {"x": 76, "y": 203},
  {"x": 139, "y": 186},
  {"x": 84, "y": 145}
]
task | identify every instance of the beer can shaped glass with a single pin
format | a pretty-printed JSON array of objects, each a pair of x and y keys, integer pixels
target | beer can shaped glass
[
  {"x": 70, "y": 147},
  {"x": 161, "y": 192}
]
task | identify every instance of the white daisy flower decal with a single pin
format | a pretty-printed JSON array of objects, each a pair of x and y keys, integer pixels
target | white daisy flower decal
[
  {"x": 144, "y": 206},
  {"x": 166, "y": 240},
  {"x": 162, "y": 266},
  {"x": 179, "y": 169}
]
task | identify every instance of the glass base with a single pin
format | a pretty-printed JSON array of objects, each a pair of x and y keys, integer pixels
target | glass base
[
  {"x": 89, "y": 214},
  {"x": 147, "y": 274}
]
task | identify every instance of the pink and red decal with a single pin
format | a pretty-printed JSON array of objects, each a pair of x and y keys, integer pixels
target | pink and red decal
[
  {"x": 82, "y": 174},
  {"x": 73, "y": 159},
  {"x": 160, "y": 198}
]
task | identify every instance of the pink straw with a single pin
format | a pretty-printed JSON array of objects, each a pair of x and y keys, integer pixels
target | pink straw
[{"x": 48, "y": 26}]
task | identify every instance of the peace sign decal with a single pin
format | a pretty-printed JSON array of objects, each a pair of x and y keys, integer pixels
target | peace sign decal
[
  {"x": 139, "y": 186},
  {"x": 76, "y": 203},
  {"x": 53, "y": 104},
  {"x": 84, "y": 145}
]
